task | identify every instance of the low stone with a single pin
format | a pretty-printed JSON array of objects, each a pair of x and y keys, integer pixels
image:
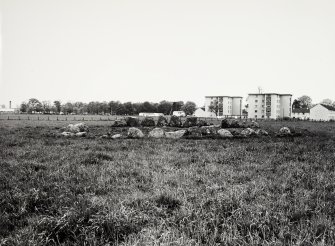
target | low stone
[
  {"x": 176, "y": 134},
  {"x": 254, "y": 124},
  {"x": 209, "y": 130},
  {"x": 156, "y": 133},
  {"x": 116, "y": 136},
  {"x": 225, "y": 133},
  {"x": 81, "y": 134},
  {"x": 285, "y": 131},
  {"x": 261, "y": 132},
  {"x": 194, "y": 132},
  {"x": 104, "y": 136},
  {"x": 75, "y": 128},
  {"x": 247, "y": 132},
  {"x": 67, "y": 134},
  {"x": 134, "y": 132}
]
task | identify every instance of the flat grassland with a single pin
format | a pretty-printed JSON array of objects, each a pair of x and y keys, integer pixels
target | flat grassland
[{"x": 93, "y": 191}]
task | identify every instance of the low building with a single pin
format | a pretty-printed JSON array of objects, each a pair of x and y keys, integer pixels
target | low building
[
  {"x": 179, "y": 113},
  {"x": 151, "y": 114},
  {"x": 8, "y": 110},
  {"x": 269, "y": 105},
  {"x": 322, "y": 112},
  {"x": 199, "y": 112},
  {"x": 301, "y": 113},
  {"x": 224, "y": 105}
]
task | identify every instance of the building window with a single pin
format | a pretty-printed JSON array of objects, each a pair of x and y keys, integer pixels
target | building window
[
  {"x": 256, "y": 101},
  {"x": 255, "y": 111}
]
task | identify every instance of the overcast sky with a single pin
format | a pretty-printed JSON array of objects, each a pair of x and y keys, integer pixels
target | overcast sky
[{"x": 83, "y": 50}]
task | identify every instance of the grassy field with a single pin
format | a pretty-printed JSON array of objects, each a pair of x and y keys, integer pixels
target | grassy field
[{"x": 93, "y": 191}]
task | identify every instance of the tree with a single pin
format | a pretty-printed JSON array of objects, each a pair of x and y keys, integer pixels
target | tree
[
  {"x": 128, "y": 108},
  {"x": 68, "y": 108},
  {"x": 306, "y": 101},
  {"x": 58, "y": 106},
  {"x": 296, "y": 104},
  {"x": 215, "y": 106},
  {"x": 327, "y": 101},
  {"x": 176, "y": 106},
  {"x": 189, "y": 107},
  {"x": 164, "y": 107},
  {"x": 46, "y": 105},
  {"x": 34, "y": 105},
  {"x": 24, "y": 107}
]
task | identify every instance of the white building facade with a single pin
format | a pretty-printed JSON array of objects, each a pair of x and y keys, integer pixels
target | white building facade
[
  {"x": 269, "y": 105},
  {"x": 322, "y": 112},
  {"x": 225, "y": 105},
  {"x": 301, "y": 113}
]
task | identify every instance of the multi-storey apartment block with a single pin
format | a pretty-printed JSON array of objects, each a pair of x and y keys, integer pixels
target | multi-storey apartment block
[
  {"x": 269, "y": 105},
  {"x": 224, "y": 105}
]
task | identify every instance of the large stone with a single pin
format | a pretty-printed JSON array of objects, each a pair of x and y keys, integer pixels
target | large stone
[
  {"x": 261, "y": 132},
  {"x": 75, "y": 128},
  {"x": 285, "y": 131},
  {"x": 209, "y": 130},
  {"x": 156, "y": 133},
  {"x": 116, "y": 136},
  {"x": 176, "y": 134},
  {"x": 235, "y": 124},
  {"x": 68, "y": 134},
  {"x": 225, "y": 133},
  {"x": 175, "y": 121},
  {"x": 134, "y": 132},
  {"x": 247, "y": 132},
  {"x": 120, "y": 123},
  {"x": 148, "y": 121},
  {"x": 162, "y": 121},
  {"x": 81, "y": 134},
  {"x": 254, "y": 124},
  {"x": 132, "y": 121}
]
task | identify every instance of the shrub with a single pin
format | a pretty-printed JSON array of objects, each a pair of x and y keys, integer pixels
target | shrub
[
  {"x": 132, "y": 121},
  {"x": 225, "y": 123},
  {"x": 120, "y": 123},
  {"x": 202, "y": 123},
  {"x": 190, "y": 121},
  {"x": 148, "y": 121},
  {"x": 162, "y": 121},
  {"x": 175, "y": 121}
]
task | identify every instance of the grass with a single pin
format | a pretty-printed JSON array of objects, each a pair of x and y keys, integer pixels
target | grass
[{"x": 92, "y": 191}]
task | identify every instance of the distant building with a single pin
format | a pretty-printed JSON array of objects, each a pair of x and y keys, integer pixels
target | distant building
[
  {"x": 199, "y": 112},
  {"x": 301, "y": 113},
  {"x": 179, "y": 113},
  {"x": 224, "y": 105},
  {"x": 8, "y": 110},
  {"x": 322, "y": 112},
  {"x": 269, "y": 105},
  {"x": 151, "y": 114}
]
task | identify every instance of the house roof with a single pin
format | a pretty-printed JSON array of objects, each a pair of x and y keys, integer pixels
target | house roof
[
  {"x": 301, "y": 110},
  {"x": 329, "y": 107},
  {"x": 270, "y": 94},
  {"x": 225, "y": 96}
]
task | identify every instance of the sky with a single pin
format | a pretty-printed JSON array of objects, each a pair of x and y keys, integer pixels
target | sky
[{"x": 153, "y": 50}]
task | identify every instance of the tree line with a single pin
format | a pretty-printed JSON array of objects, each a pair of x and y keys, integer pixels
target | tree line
[
  {"x": 305, "y": 102},
  {"x": 33, "y": 105}
]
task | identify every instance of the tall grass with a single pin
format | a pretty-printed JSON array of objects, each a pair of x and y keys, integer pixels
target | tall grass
[{"x": 92, "y": 191}]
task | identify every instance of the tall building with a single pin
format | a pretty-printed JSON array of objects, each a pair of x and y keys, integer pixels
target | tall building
[
  {"x": 269, "y": 105},
  {"x": 224, "y": 105}
]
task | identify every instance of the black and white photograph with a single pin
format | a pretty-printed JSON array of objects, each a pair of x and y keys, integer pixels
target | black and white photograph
[{"x": 167, "y": 123}]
